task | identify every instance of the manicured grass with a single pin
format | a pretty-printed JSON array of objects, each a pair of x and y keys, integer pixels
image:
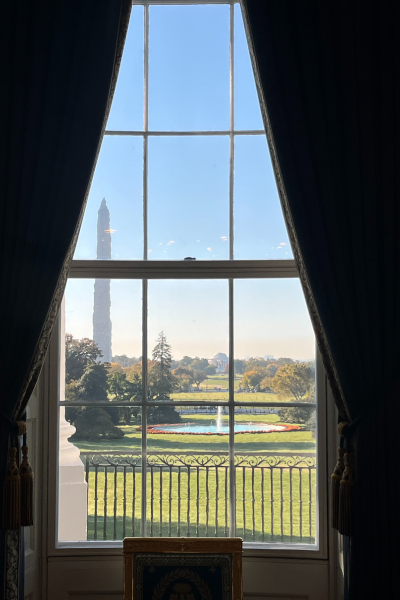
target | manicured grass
[
  {"x": 203, "y": 508},
  {"x": 285, "y": 441},
  {"x": 283, "y": 519},
  {"x": 215, "y": 396}
]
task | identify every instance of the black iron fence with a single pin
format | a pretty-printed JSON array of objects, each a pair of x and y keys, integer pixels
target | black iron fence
[{"x": 188, "y": 494}]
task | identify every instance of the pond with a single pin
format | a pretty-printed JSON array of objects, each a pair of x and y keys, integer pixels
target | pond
[{"x": 219, "y": 428}]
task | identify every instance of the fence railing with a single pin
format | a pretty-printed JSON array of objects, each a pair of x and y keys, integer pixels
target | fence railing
[{"x": 187, "y": 494}]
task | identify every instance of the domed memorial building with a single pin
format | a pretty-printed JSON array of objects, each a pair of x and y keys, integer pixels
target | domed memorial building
[{"x": 219, "y": 360}]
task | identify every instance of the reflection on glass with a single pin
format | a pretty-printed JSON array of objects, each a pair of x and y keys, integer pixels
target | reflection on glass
[
  {"x": 189, "y": 68},
  {"x": 274, "y": 342},
  {"x": 276, "y": 475},
  {"x": 115, "y": 205},
  {"x": 188, "y": 198},
  {"x": 187, "y": 472},
  {"x": 260, "y": 231},
  {"x": 247, "y": 106},
  {"x": 127, "y": 106},
  {"x": 100, "y": 356}
]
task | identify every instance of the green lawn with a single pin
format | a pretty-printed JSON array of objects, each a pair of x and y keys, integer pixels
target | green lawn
[
  {"x": 286, "y": 441},
  {"x": 203, "y": 505},
  {"x": 203, "y": 509}
]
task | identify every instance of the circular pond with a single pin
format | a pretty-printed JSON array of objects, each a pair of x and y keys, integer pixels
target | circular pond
[{"x": 219, "y": 429}]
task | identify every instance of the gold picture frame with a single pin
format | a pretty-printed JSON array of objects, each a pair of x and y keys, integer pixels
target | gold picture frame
[{"x": 177, "y": 568}]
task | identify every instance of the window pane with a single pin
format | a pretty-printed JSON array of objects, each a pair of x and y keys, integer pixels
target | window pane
[
  {"x": 187, "y": 473},
  {"x": 260, "y": 231},
  {"x": 190, "y": 319},
  {"x": 247, "y": 106},
  {"x": 106, "y": 316},
  {"x": 127, "y": 107},
  {"x": 189, "y": 68},
  {"x": 276, "y": 477},
  {"x": 119, "y": 180},
  {"x": 274, "y": 342},
  {"x": 188, "y": 198}
]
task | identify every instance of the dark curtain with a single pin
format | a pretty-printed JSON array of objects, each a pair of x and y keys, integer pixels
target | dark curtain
[
  {"x": 329, "y": 82},
  {"x": 59, "y": 62}
]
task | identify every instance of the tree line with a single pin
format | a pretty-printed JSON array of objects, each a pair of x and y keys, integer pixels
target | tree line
[{"x": 90, "y": 380}]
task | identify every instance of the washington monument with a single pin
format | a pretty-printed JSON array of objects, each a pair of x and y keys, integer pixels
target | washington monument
[{"x": 102, "y": 297}]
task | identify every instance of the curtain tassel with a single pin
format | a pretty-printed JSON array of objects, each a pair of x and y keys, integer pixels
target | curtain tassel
[
  {"x": 12, "y": 493},
  {"x": 26, "y": 475},
  {"x": 336, "y": 478},
  {"x": 346, "y": 485}
]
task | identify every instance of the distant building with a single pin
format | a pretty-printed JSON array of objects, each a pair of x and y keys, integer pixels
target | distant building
[
  {"x": 269, "y": 357},
  {"x": 219, "y": 361}
]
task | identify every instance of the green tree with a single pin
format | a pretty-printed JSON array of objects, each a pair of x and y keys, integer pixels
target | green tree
[
  {"x": 199, "y": 364},
  {"x": 199, "y": 377},
  {"x": 295, "y": 381},
  {"x": 254, "y": 363},
  {"x": 122, "y": 389},
  {"x": 210, "y": 370},
  {"x": 184, "y": 378},
  {"x": 124, "y": 360},
  {"x": 161, "y": 381},
  {"x": 92, "y": 386},
  {"x": 185, "y": 361},
  {"x": 95, "y": 424},
  {"x": 78, "y": 355},
  {"x": 239, "y": 367}
]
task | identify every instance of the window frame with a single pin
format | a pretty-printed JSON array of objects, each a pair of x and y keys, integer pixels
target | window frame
[
  {"x": 146, "y": 270},
  {"x": 196, "y": 270}
]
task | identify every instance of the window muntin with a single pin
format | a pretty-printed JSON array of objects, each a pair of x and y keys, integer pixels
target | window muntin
[
  {"x": 215, "y": 103},
  {"x": 220, "y": 456},
  {"x": 222, "y": 406}
]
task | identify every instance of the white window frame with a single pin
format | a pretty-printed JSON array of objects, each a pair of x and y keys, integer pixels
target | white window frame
[{"x": 201, "y": 269}]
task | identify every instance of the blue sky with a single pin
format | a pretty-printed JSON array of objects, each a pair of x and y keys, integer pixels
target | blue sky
[{"x": 188, "y": 194}]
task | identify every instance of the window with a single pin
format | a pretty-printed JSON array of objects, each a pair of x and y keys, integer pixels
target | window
[{"x": 189, "y": 366}]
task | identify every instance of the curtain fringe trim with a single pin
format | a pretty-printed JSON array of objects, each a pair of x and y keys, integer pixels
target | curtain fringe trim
[{"x": 12, "y": 493}]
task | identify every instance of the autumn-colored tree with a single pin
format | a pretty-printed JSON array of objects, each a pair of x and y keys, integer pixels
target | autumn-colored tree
[
  {"x": 252, "y": 379},
  {"x": 115, "y": 368},
  {"x": 133, "y": 371},
  {"x": 296, "y": 380}
]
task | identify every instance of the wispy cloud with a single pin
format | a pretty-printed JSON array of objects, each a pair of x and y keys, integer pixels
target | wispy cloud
[{"x": 209, "y": 249}]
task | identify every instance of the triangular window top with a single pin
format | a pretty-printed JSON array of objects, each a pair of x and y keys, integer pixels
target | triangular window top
[{"x": 185, "y": 106}]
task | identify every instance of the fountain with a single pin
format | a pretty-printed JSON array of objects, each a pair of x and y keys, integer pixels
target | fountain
[{"x": 219, "y": 419}]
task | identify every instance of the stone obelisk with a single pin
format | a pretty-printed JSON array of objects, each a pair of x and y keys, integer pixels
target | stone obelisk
[{"x": 102, "y": 296}]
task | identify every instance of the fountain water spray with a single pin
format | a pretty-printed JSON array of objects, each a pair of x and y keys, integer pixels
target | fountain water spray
[{"x": 219, "y": 418}]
